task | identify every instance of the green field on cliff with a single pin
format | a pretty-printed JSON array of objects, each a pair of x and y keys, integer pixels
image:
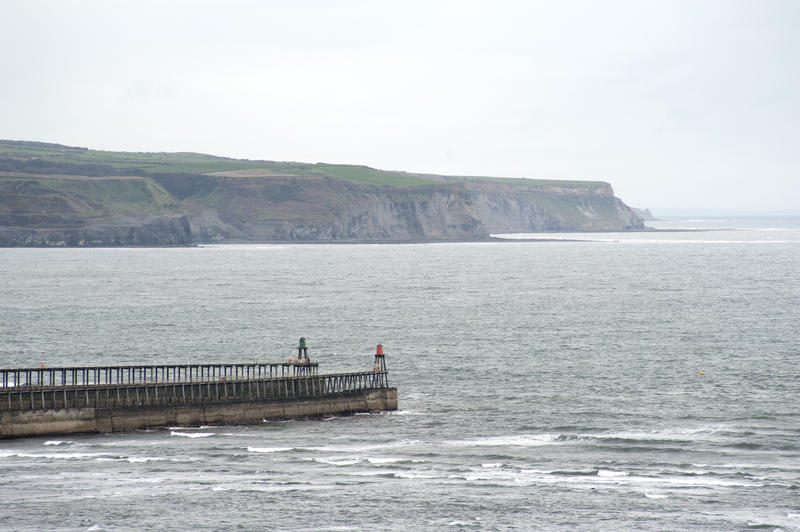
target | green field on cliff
[{"x": 45, "y": 158}]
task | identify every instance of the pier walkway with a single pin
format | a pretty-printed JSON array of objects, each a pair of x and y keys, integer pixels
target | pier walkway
[{"x": 29, "y": 389}]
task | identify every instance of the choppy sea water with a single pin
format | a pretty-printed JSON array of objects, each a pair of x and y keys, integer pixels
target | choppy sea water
[{"x": 645, "y": 381}]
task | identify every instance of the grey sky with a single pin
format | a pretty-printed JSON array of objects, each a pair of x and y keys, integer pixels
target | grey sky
[{"x": 676, "y": 104}]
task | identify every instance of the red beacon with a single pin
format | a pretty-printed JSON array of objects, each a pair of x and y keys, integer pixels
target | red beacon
[{"x": 380, "y": 360}]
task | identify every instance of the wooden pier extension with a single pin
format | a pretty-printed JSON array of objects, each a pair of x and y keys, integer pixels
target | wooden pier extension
[{"x": 46, "y": 401}]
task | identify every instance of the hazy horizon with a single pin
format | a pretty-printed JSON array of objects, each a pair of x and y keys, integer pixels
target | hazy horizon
[
  {"x": 714, "y": 213},
  {"x": 676, "y": 104}
]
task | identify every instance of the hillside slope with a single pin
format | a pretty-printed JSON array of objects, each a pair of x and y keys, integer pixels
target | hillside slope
[{"x": 52, "y": 195}]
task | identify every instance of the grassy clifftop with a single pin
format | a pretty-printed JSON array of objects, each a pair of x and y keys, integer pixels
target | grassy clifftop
[{"x": 56, "y": 158}]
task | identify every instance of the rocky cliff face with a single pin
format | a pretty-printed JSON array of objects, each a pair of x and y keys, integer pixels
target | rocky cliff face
[
  {"x": 324, "y": 209},
  {"x": 150, "y": 231},
  {"x": 128, "y": 211},
  {"x": 506, "y": 208},
  {"x": 70, "y": 211}
]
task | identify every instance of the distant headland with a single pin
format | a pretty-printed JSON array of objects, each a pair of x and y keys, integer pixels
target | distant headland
[{"x": 53, "y": 195}]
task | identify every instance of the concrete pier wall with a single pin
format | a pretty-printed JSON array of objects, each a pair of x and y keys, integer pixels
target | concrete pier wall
[{"x": 99, "y": 419}]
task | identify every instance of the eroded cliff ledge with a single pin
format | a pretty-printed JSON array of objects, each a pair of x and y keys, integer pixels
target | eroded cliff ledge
[{"x": 325, "y": 209}]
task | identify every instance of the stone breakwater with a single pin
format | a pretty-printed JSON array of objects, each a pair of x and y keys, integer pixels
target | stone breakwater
[{"x": 36, "y": 402}]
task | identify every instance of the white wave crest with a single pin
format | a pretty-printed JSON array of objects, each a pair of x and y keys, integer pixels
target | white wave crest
[
  {"x": 192, "y": 434},
  {"x": 342, "y": 461},
  {"x": 268, "y": 449},
  {"x": 54, "y": 456},
  {"x": 392, "y": 460},
  {"x": 523, "y": 440},
  {"x": 344, "y": 448},
  {"x": 610, "y": 473}
]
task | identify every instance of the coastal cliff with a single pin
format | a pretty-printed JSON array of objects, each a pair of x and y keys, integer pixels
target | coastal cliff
[
  {"x": 52, "y": 195},
  {"x": 324, "y": 209}
]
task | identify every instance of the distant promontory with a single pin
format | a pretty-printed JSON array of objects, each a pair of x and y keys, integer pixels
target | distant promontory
[{"x": 54, "y": 195}]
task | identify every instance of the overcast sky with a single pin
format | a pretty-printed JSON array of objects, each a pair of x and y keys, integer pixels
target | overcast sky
[{"x": 676, "y": 104}]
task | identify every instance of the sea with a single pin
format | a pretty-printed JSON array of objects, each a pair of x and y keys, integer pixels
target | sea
[{"x": 599, "y": 381}]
